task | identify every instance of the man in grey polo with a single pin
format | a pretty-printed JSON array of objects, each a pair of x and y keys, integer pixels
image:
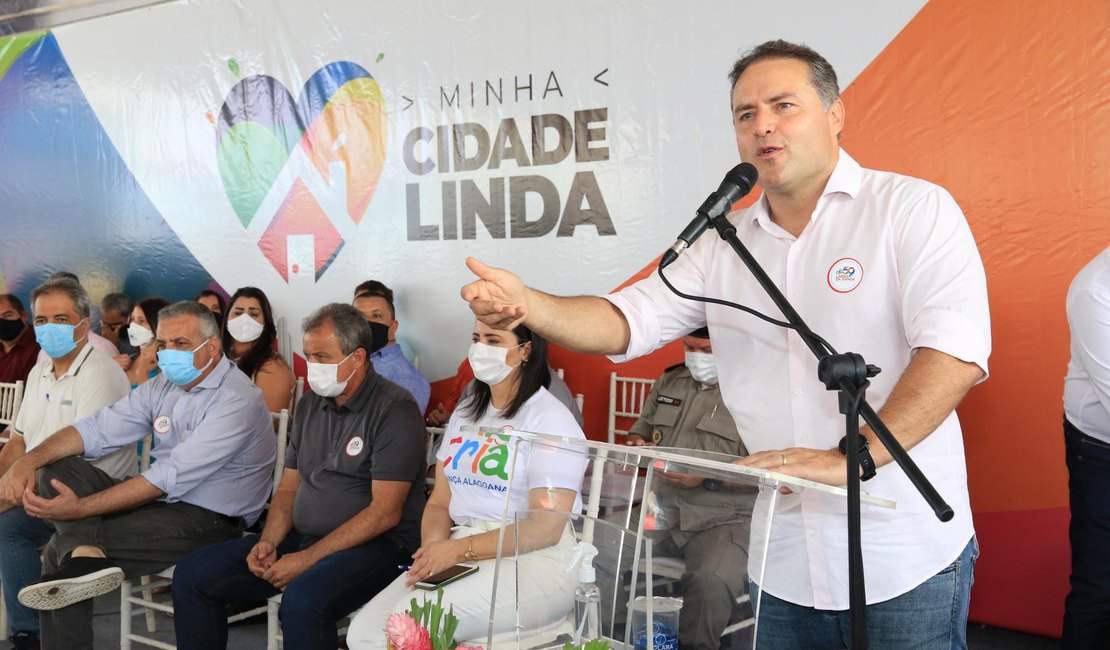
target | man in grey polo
[
  {"x": 346, "y": 513},
  {"x": 215, "y": 450}
]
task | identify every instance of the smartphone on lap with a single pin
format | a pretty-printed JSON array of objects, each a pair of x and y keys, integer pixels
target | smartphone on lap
[{"x": 446, "y": 576}]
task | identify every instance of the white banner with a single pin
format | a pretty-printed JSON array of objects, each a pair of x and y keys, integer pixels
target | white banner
[{"x": 304, "y": 147}]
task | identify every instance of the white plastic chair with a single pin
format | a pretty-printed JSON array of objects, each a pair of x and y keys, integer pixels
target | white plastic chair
[
  {"x": 142, "y": 593},
  {"x": 11, "y": 398},
  {"x": 295, "y": 397},
  {"x": 626, "y": 400},
  {"x": 435, "y": 435}
]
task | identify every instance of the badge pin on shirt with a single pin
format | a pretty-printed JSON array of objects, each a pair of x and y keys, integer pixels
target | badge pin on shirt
[{"x": 656, "y": 436}]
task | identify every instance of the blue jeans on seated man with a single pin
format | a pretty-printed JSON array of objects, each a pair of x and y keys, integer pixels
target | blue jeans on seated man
[
  {"x": 932, "y": 616},
  {"x": 21, "y": 537},
  {"x": 212, "y": 577}
]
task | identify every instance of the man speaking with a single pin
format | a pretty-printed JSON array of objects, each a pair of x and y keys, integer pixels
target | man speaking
[{"x": 878, "y": 263}]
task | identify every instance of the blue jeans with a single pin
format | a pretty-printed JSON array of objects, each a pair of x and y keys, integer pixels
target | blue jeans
[
  {"x": 21, "y": 537},
  {"x": 210, "y": 578},
  {"x": 932, "y": 616},
  {"x": 1087, "y": 607}
]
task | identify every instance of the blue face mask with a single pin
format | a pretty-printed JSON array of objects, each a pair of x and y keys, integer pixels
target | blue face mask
[
  {"x": 178, "y": 365},
  {"x": 56, "y": 340}
]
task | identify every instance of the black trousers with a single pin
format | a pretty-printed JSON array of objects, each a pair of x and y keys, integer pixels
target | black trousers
[
  {"x": 1087, "y": 607},
  {"x": 141, "y": 541}
]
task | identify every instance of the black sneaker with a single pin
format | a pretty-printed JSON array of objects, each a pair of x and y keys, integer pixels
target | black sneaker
[
  {"x": 24, "y": 641},
  {"x": 79, "y": 579}
]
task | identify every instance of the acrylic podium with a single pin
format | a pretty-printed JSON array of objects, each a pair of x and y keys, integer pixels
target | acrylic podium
[{"x": 640, "y": 507}]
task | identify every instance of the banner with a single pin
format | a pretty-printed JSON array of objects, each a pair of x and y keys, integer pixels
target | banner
[{"x": 305, "y": 147}]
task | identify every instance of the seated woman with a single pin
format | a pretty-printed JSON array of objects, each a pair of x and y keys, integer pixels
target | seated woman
[
  {"x": 248, "y": 340},
  {"x": 463, "y": 515},
  {"x": 140, "y": 332}
]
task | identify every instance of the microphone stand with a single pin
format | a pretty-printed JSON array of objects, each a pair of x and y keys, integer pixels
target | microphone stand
[{"x": 847, "y": 373}]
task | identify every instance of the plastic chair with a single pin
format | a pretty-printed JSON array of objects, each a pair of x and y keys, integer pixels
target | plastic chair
[
  {"x": 11, "y": 398},
  {"x": 435, "y": 435},
  {"x": 626, "y": 400}
]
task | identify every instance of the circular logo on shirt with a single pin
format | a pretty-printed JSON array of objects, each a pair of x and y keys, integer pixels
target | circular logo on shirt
[
  {"x": 845, "y": 275},
  {"x": 162, "y": 425},
  {"x": 354, "y": 446}
]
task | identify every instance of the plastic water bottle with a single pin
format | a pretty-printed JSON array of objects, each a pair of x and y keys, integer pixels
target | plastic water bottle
[{"x": 587, "y": 598}]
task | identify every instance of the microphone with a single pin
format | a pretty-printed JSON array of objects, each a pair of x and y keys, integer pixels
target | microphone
[{"x": 737, "y": 183}]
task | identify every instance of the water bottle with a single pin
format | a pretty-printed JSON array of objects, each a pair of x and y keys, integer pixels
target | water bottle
[{"x": 587, "y": 598}]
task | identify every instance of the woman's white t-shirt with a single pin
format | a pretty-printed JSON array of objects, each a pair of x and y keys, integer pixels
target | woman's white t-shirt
[{"x": 477, "y": 466}]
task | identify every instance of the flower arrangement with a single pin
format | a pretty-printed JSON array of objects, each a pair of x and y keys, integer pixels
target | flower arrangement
[{"x": 424, "y": 627}]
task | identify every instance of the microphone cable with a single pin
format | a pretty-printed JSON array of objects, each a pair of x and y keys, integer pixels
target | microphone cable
[{"x": 802, "y": 331}]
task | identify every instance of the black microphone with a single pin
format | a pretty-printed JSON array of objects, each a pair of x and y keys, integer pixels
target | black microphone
[{"x": 737, "y": 183}]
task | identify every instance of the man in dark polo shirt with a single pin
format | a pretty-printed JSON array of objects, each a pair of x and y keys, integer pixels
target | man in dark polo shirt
[
  {"x": 346, "y": 513},
  {"x": 18, "y": 348}
]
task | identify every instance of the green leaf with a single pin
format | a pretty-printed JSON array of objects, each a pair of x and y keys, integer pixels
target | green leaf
[
  {"x": 381, "y": 55},
  {"x": 233, "y": 65}
]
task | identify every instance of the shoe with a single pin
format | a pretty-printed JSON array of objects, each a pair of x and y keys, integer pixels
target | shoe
[
  {"x": 24, "y": 641},
  {"x": 79, "y": 579}
]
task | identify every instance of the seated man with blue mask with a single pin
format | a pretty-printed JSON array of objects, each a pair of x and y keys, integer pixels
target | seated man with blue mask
[
  {"x": 76, "y": 381},
  {"x": 216, "y": 449},
  {"x": 374, "y": 301}
]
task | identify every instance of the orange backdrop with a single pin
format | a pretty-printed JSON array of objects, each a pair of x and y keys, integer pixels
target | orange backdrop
[{"x": 1006, "y": 104}]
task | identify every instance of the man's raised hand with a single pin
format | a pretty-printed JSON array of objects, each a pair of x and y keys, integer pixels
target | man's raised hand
[{"x": 497, "y": 297}]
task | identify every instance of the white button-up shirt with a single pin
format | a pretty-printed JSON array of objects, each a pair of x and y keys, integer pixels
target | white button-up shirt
[
  {"x": 1087, "y": 385},
  {"x": 886, "y": 264},
  {"x": 93, "y": 381}
]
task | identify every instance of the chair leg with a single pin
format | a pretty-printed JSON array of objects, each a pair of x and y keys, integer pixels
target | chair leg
[
  {"x": 125, "y": 615},
  {"x": 4, "y": 631},
  {"x": 148, "y": 596},
  {"x": 272, "y": 627}
]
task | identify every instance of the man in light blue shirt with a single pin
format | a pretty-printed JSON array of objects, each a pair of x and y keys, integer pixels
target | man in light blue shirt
[
  {"x": 374, "y": 301},
  {"x": 215, "y": 450}
]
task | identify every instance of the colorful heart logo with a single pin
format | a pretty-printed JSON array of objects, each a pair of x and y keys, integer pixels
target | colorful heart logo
[{"x": 339, "y": 124}]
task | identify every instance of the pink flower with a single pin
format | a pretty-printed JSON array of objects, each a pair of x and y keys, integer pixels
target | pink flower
[{"x": 406, "y": 634}]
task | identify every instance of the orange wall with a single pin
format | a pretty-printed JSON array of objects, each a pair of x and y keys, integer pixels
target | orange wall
[{"x": 1005, "y": 104}]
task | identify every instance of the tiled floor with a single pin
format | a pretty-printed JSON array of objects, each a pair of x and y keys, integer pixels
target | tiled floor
[{"x": 252, "y": 636}]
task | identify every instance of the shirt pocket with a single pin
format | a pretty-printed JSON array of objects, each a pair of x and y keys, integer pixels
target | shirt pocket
[
  {"x": 662, "y": 423},
  {"x": 666, "y": 415},
  {"x": 717, "y": 433}
]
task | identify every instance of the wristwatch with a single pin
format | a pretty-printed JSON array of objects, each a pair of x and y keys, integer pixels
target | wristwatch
[{"x": 866, "y": 462}]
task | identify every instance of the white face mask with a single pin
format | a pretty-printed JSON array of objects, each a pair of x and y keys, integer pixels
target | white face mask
[
  {"x": 488, "y": 362},
  {"x": 702, "y": 367},
  {"x": 139, "y": 335},
  {"x": 323, "y": 378},
  {"x": 244, "y": 329}
]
